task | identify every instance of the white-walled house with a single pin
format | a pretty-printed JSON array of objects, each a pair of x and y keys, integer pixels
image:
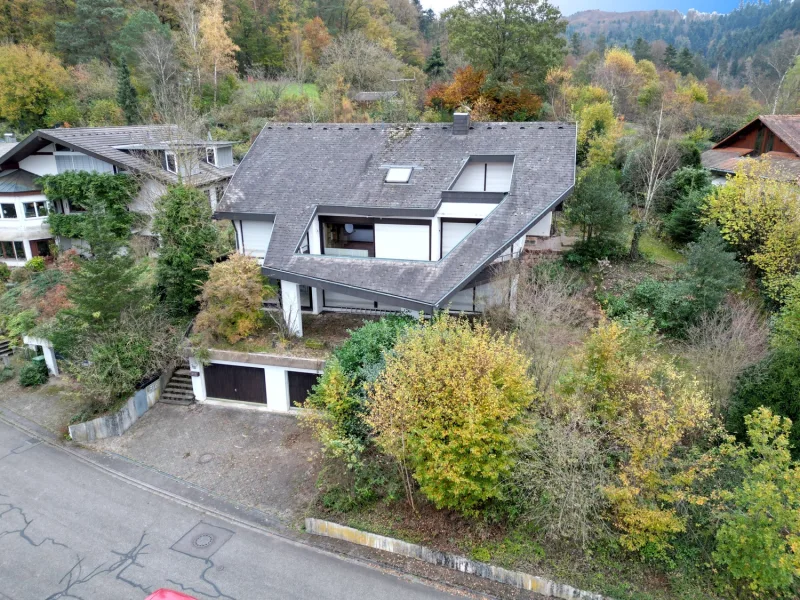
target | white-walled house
[
  {"x": 158, "y": 154},
  {"x": 381, "y": 218}
]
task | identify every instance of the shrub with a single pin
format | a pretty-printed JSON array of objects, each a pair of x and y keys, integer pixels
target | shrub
[
  {"x": 341, "y": 392},
  {"x": 21, "y": 323},
  {"x": 598, "y": 207},
  {"x": 645, "y": 407},
  {"x": 683, "y": 224},
  {"x": 33, "y": 373},
  {"x": 587, "y": 252},
  {"x": 111, "y": 362},
  {"x": 773, "y": 383},
  {"x": 6, "y": 374},
  {"x": 5, "y": 272},
  {"x": 232, "y": 299},
  {"x": 446, "y": 406},
  {"x": 36, "y": 264},
  {"x": 760, "y": 533},
  {"x": 20, "y": 275}
]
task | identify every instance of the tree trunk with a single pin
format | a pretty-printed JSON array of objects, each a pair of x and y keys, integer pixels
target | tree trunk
[
  {"x": 215, "y": 84},
  {"x": 638, "y": 230}
]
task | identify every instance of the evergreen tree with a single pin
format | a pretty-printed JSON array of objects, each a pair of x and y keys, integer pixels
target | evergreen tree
[
  {"x": 575, "y": 44},
  {"x": 598, "y": 207},
  {"x": 188, "y": 237},
  {"x": 435, "y": 66},
  {"x": 126, "y": 94},
  {"x": 600, "y": 44},
  {"x": 641, "y": 50},
  {"x": 670, "y": 56},
  {"x": 92, "y": 32},
  {"x": 685, "y": 62}
]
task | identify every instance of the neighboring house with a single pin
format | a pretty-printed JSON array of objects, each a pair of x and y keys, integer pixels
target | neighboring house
[
  {"x": 395, "y": 218},
  {"x": 774, "y": 136},
  {"x": 158, "y": 154},
  {"x": 369, "y": 98}
]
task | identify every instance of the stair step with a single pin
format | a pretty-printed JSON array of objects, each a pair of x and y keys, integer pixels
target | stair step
[
  {"x": 178, "y": 393},
  {"x": 182, "y": 378},
  {"x": 182, "y": 371},
  {"x": 180, "y": 388},
  {"x": 177, "y": 402}
]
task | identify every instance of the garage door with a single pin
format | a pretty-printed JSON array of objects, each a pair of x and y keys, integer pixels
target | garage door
[
  {"x": 300, "y": 385},
  {"x": 231, "y": 382},
  {"x": 453, "y": 232}
]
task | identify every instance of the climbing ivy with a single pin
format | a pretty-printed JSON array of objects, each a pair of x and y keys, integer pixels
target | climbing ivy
[{"x": 106, "y": 222}]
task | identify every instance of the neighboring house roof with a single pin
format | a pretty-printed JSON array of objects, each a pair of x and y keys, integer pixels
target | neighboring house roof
[
  {"x": 6, "y": 147},
  {"x": 374, "y": 96},
  {"x": 15, "y": 181},
  {"x": 293, "y": 171},
  {"x": 108, "y": 143},
  {"x": 724, "y": 157}
]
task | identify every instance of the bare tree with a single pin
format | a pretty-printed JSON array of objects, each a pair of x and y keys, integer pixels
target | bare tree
[
  {"x": 652, "y": 162},
  {"x": 722, "y": 344},
  {"x": 191, "y": 37},
  {"x": 298, "y": 53},
  {"x": 158, "y": 60},
  {"x": 540, "y": 305}
]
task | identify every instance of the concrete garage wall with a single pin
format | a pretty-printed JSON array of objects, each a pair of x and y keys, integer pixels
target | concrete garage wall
[
  {"x": 118, "y": 423},
  {"x": 276, "y": 375}
]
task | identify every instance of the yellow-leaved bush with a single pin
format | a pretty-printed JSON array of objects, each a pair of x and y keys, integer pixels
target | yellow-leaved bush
[
  {"x": 760, "y": 215},
  {"x": 647, "y": 408},
  {"x": 232, "y": 297},
  {"x": 446, "y": 407}
]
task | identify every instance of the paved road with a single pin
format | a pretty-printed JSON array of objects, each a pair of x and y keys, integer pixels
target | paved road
[{"x": 69, "y": 530}]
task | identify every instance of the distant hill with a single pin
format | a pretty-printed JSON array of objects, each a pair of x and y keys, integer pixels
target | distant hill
[{"x": 718, "y": 37}]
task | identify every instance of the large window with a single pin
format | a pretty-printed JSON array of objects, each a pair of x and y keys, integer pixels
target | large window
[
  {"x": 9, "y": 211},
  {"x": 12, "y": 250},
  {"x": 35, "y": 209},
  {"x": 341, "y": 237}
]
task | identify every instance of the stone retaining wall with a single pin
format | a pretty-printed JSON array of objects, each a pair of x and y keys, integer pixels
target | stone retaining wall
[
  {"x": 119, "y": 422},
  {"x": 540, "y": 585}
]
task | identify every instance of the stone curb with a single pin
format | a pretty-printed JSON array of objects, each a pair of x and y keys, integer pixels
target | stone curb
[{"x": 524, "y": 581}]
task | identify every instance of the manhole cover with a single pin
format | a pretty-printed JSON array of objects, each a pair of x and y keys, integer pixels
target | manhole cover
[
  {"x": 206, "y": 458},
  {"x": 201, "y": 541}
]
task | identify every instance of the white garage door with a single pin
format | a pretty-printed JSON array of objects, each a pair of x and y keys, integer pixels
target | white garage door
[
  {"x": 411, "y": 242},
  {"x": 256, "y": 235},
  {"x": 453, "y": 233}
]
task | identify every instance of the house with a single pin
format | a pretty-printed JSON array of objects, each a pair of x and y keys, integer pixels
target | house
[
  {"x": 774, "y": 136},
  {"x": 395, "y": 218},
  {"x": 380, "y": 218},
  {"x": 158, "y": 154},
  {"x": 367, "y": 99}
]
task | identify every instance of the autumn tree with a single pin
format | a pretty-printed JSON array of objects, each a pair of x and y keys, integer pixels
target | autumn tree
[
  {"x": 231, "y": 301},
  {"x": 759, "y": 214},
  {"x": 454, "y": 435},
  {"x": 646, "y": 407},
  {"x": 508, "y": 36},
  {"x": 217, "y": 47},
  {"x": 619, "y": 76},
  {"x": 30, "y": 80}
]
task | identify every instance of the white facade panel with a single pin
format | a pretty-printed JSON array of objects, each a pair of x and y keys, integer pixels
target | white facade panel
[
  {"x": 39, "y": 164},
  {"x": 339, "y": 300},
  {"x": 472, "y": 178},
  {"x": 498, "y": 176},
  {"x": 410, "y": 242},
  {"x": 465, "y": 210},
  {"x": 463, "y": 300},
  {"x": 453, "y": 233},
  {"x": 543, "y": 227},
  {"x": 255, "y": 236}
]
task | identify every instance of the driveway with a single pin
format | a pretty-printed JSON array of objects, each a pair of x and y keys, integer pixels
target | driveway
[
  {"x": 264, "y": 460},
  {"x": 71, "y": 530}
]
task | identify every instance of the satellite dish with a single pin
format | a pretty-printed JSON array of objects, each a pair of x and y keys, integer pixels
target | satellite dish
[{"x": 349, "y": 228}]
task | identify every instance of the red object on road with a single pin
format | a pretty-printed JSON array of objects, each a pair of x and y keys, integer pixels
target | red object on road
[{"x": 165, "y": 594}]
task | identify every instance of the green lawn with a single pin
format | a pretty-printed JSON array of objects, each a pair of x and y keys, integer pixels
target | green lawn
[
  {"x": 659, "y": 251},
  {"x": 298, "y": 89}
]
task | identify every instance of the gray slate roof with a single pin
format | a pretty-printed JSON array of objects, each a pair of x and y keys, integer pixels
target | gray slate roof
[
  {"x": 293, "y": 171},
  {"x": 374, "y": 96},
  {"x": 105, "y": 143}
]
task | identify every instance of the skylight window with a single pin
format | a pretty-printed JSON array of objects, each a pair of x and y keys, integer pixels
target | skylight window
[{"x": 398, "y": 175}]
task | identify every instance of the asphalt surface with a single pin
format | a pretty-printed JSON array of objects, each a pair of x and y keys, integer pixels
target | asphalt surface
[{"x": 69, "y": 530}]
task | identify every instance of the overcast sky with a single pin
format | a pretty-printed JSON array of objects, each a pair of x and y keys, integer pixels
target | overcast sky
[{"x": 571, "y": 6}]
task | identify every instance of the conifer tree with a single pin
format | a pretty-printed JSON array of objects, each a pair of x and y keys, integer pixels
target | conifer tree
[{"x": 126, "y": 94}]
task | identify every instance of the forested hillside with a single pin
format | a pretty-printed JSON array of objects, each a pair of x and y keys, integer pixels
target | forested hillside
[{"x": 725, "y": 40}]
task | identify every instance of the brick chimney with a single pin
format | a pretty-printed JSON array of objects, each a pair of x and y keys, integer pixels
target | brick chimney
[{"x": 460, "y": 123}]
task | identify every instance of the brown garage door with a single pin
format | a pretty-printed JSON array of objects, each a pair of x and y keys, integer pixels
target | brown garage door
[
  {"x": 231, "y": 382},
  {"x": 300, "y": 385}
]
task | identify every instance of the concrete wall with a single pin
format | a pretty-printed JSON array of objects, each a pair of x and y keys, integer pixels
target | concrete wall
[
  {"x": 118, "y": 423},
  {"x": 524, "y": 581},
  {"x": 542, "y": 228},
  {"x": 47, "y": 351}
]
